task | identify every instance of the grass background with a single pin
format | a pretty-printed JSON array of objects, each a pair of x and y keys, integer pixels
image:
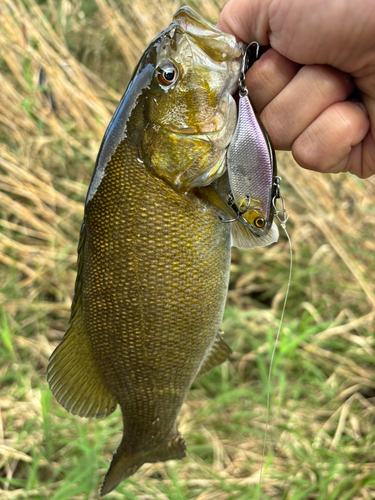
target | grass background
[{"x": 321, "y": 433}]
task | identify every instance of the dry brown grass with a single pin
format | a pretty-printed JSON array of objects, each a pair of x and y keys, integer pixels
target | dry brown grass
[{"x": 321, "y": 432}]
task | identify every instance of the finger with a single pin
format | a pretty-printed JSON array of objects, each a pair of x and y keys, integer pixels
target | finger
[
  {"x": 308, "y": 31},
  {"x": 268, "y": 76},
  {"x": 367, "y": 167},
  {"x": 246, "y": 20},
  {"x": 332, "y": 143},
  {"x": 311, "y": 91},
  {"x": 368, "y": 154}
]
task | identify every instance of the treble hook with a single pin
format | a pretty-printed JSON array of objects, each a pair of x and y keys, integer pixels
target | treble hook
[
  {"x": 283, "y": 219},
  {"x": 276, "y": 196},
  {"x": 256, "y": 51},
  {"x": 230, "y": 220},
  {"x": 234, "y": 207}
]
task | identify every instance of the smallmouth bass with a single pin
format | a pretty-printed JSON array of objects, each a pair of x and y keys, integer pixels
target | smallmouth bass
[{"x": 153, "y": 255}]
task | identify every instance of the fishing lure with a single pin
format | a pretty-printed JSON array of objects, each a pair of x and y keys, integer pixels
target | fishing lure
[
  {"x": 251, "y": 163},
  {"x": 253, "y": 191}
]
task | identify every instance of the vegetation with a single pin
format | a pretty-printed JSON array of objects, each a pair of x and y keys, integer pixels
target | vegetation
[{"x": 321, "y": 435}]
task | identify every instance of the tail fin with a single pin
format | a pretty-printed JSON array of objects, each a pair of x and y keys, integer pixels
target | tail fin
[
  {"x": 125, "y": 464},
  {"x": 122, "y": 466}
]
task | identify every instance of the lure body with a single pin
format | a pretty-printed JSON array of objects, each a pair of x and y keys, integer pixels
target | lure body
[{"x": 251, "y": 164}]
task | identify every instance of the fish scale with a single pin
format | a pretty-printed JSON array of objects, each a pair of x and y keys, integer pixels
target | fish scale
[
  {"x": 154, "y": 254},
  {"x": 175, "y": 280}
]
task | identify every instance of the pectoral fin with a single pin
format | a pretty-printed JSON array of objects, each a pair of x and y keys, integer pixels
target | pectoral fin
[
  {"x": 218, "y": 353},
  {"x": 242, "y": 237},
  {"x": 72, "y": 373}
]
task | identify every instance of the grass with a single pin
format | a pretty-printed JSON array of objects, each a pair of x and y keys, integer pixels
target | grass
[{"x": 321, "y": 435}]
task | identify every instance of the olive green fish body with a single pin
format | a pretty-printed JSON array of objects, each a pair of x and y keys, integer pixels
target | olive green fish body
[
  {"x": 156, "y": 274},
  {"x": 153, "y": 257}
]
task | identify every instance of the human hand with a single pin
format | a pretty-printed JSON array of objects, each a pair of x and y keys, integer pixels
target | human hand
[{"x": 320, "y": 53}]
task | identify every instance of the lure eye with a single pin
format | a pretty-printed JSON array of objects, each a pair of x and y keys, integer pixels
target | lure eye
[
  {"x": 167, "y": 74},
  {"x": 259, "y": 222}
]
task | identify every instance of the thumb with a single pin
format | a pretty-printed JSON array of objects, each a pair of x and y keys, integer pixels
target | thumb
[{"x": 246, "y": 20}]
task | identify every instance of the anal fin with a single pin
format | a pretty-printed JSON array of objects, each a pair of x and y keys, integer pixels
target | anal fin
[{"x": 218, "y": 353}]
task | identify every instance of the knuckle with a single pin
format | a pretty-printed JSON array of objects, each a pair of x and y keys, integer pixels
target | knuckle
[
  {"x": 276, "y": 124},
  {"x": 310, "y": 151},
  {"x": 330, "y": 82}
]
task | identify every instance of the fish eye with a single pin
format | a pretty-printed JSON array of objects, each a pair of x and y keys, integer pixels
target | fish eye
[
  {"x": 167, "y": 74},
  {"x": 259, "y": 222}
]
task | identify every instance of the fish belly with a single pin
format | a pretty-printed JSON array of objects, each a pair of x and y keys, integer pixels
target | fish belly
[{"x": 155, "y": 277}]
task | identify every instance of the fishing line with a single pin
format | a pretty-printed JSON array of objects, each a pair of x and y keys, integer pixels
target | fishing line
[{"x": 283, "y": 218}]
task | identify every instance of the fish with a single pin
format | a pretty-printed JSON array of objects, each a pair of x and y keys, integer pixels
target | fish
[{"x": 154, "y": 253}]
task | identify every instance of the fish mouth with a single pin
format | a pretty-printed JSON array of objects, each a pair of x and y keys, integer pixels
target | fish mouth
[
  {"x": 217, "y": 130},
  {"x": 220, "y": 44},
  {"x": 221, "y": 50}
]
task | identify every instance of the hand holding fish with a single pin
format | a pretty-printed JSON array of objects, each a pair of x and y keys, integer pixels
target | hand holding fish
[
  {"x": 154, "y": 251},
  {"x": 321, "y": 52}
]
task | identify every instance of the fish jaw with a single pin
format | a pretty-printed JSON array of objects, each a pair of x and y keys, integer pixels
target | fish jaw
[
  {"x": 221, "y": 47},
  {"x": 190, "y": 123}
]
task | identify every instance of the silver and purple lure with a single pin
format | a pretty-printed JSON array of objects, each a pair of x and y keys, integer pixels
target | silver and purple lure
[{"x": 251, "y": 164}]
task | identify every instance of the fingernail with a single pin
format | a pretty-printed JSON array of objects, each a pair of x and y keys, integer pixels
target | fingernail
[{"x": 361, "y": 105}]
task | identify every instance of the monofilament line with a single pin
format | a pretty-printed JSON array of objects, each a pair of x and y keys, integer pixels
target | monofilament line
[{"x": 283, "y": 225}]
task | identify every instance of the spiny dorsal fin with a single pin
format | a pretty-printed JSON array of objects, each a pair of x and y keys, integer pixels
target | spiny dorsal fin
[
  {"x": 72, "y": 374},
  {"x": 218, "y": 353}
]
